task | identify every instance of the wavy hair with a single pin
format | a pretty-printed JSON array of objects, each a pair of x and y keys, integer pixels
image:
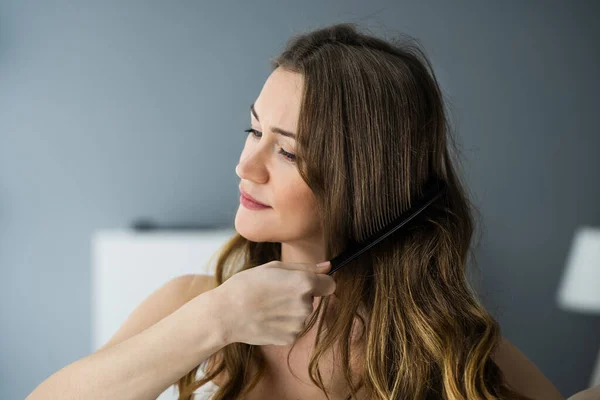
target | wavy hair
[{"x": 372, "y": 131}]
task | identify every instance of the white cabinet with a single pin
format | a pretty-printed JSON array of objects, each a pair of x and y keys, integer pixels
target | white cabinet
[{"x": 127, "y": 266}]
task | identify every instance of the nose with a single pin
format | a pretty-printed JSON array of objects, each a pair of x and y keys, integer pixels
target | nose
[{"x": 252, "y": 167}]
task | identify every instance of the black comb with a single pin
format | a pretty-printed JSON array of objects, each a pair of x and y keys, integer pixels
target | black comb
[{"x": 432, "y": 192}]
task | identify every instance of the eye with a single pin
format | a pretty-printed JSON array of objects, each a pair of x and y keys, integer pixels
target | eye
[
  {"x": 253, "y": 131},
  {"x": 289, "y": 156}
]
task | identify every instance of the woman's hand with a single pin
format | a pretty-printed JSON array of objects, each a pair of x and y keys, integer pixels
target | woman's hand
[{"x": 269, "y": 304}]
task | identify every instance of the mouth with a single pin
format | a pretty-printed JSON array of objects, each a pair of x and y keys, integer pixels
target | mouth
[{"x": 250, "y": 202}]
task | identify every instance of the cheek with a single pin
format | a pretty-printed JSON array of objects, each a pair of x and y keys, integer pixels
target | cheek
[
  {"x": 297, "y": 204},
  {"x": 293, "y": 194}
]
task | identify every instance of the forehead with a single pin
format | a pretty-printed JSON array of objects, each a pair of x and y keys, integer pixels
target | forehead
[{"x": 278, "y": 103}]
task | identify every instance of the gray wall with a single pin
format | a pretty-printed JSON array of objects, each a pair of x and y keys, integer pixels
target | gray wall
[{"x": 114, "y": 110}]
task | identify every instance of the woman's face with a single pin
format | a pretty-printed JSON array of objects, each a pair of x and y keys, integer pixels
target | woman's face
[{"x": 268, "y": 171}]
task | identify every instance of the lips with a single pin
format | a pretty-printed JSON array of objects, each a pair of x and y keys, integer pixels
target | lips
[{"x": 252, "y": 199}]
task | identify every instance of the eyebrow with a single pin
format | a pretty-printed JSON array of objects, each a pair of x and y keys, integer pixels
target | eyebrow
[{"x": 273, "y": 129}]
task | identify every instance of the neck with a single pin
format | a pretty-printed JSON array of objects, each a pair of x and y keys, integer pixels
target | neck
[{"x": 303, "y": 251}]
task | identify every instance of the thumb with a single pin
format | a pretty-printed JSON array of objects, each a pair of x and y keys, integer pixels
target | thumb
[
  {"x": 323, "y": 268},
  {"x": 306, "y": 266}
]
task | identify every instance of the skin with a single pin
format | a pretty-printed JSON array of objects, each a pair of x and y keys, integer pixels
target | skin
[{"x": 273, "y": 179}]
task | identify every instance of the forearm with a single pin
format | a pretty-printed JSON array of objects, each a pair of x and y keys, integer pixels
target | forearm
[{"x": 146, "y": 364}]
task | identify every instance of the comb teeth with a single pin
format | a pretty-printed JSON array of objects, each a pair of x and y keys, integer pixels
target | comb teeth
[
  {"x": 383, "y": 217},
  {"x": 402, "y": 215},
  {"x": 432, "y": 192}
]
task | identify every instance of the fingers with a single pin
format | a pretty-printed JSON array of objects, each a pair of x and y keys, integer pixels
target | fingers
[
  {"x": 323, "y": 268},
  {"x": 322, "y": 284}
]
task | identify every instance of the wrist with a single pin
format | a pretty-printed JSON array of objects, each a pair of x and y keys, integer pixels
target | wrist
[{"x": 220, "y": 314}]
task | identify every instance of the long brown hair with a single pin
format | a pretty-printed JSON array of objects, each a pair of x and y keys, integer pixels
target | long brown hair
[{"x": 372, "y": 131}]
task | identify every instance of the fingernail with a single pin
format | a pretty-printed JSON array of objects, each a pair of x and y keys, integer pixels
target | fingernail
[{"x": 324, "y": 264}]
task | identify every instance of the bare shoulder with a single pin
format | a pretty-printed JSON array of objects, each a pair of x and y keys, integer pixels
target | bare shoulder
[
  {"x": 522, "y": 374},
  {"x": 592, "y": 393},
  {"x": 199, "y": 284},
  {"x": 162, "y": 302}
]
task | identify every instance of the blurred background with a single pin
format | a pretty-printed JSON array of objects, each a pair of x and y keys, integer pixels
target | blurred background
[{"x": 113, "y": 110}]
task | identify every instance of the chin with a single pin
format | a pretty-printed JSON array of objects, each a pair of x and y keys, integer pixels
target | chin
[
  {"x": 266, "y": 228},
  {"x": 251, "y": 228}
]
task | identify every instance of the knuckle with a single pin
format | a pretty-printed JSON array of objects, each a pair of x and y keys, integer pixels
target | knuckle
[{"x": 304, "y": 282}]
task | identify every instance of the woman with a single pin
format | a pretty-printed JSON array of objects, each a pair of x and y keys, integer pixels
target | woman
[
  {"x": 370, "y": 130},
  {"x": 346, "y": 131}
]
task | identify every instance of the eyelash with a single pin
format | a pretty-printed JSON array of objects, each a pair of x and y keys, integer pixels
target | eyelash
[{"x": 289, "y": 156}]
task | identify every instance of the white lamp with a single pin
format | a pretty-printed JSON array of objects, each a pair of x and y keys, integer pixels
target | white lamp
[{"x": 580, "y": 285}]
